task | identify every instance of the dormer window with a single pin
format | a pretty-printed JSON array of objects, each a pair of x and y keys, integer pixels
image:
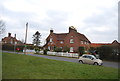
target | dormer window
[{"x": 71, "y": 40}]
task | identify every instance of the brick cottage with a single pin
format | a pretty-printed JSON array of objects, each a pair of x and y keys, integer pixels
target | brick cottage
[
  {"x": 11, "y": 40},
  {"x": 72, "y": 39}
]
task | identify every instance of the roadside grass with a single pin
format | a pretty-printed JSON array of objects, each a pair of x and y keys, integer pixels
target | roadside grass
[{"x": 18, "y": 66}]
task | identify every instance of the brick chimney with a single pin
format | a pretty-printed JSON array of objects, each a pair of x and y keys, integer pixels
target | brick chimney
[
  {"x": 9, "y": 34},
  {"x": 72, "y": 29},
  {"x": 15, "y": 36},
  {"x": 51, "y": 30}
]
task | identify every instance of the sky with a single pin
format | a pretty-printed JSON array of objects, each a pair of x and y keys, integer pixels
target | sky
[{"x": 96, "y": 19}]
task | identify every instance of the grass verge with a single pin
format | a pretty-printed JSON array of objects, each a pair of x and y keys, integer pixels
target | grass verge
[{"x": 16, "y": 66}]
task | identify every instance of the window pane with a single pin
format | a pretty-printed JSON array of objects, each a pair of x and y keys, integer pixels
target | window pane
[
  {"x": 71, "y": 49},
  {"x": 50, "y": 39},
  {"x": 71, "y": 40},
  {"x": 81, "y": 42}
]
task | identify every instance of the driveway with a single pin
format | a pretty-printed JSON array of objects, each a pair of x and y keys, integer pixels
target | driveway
[{"x": 105, "y": 63}]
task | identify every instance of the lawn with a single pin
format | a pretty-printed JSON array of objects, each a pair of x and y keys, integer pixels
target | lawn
[{"x": 31, "y": 67}]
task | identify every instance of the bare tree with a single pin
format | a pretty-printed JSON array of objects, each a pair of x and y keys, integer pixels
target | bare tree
[{"x": 2, "y": 27}]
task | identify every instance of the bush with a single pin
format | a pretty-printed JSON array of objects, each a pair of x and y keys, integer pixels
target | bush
[
  {"x": 66, "y": 49},
  {"x": 81, "y": 50},
  {"x": 30, "y": 47},
  {"x": 45, "y": 51},
  {"x": 37, "y": 50},
  {"x": 107, "y": 53},
  {"x": 58, "y": 49},
  {"x": 11, "y": 47},
  {"x": 92, "y": 49}
]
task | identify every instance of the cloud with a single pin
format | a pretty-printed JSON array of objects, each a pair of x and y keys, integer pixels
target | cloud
[
  {"x": 103, "y": 26},
  {"x": 94, "y": 18}
]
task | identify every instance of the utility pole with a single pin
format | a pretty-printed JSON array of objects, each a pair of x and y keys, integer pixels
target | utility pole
[
  {"x": 26, "y": 38},
  {"x": 14, "y": 43}
]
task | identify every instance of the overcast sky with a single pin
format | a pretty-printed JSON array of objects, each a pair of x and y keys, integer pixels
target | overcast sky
[{"x": 96, "y": 19}]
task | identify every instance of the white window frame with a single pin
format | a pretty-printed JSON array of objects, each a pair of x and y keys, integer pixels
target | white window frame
[
  {"x": 49, "y": 47},
  {"x": 61, "y": 42},
  {"x": 82, "y": 42},
  {"x": 15, "y": 42},
  {"x": 71, "y": 49},
  {"x": 50, "y": 39},
  {"x": 71, "y": 40},
  {"x": 11, "y": 41}
]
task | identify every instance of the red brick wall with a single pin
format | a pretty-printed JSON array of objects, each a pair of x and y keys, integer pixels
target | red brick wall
[{"x": 72, "y": 35}]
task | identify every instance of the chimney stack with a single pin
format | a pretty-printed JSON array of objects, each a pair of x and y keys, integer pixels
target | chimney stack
[
  {"x": 72, "y": 29},
  {"x": 51, "y": 30},
  {"x": 9, "y": 34},
  {"x": 15, "y": 36}
]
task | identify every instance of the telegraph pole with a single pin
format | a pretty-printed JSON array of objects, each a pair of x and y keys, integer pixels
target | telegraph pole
[
  {"x": 26, "y": 38},
  {"x": 14, "y": 43}
]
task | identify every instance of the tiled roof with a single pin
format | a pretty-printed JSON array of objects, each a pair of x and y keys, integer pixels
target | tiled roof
[
  {"x": 99, "y": 44},
  {"x": 60, "y": 36},
  {"x": 9, "y": 38},
  {"x": 83, "y": 37}
]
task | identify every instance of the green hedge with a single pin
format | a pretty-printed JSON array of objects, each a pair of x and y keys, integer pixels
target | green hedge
[
  {"x": 107, "y": 53},
  {"x": 11, "y": 47}
]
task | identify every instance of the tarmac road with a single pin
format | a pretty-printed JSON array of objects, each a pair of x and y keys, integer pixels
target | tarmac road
[{"x": 105, "y": 63}]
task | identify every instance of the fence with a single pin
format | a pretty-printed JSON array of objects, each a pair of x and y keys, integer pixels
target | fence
[
  {"x": 54, "y": 53},
  {"x": 63, "y": 54},
  {"x": 29, "y": 51}
]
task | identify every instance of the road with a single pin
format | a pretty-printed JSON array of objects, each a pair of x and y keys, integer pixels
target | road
[{"x": 105, "y": 63}]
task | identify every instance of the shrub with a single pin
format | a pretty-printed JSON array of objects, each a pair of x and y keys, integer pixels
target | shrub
[
  {"x": 58, "y": 49},
  {"x": 45, "y": 51},
  {"x": 92, "y": 49},
  {"x": 81, "y": 50},
  {"x": 11, "y": 47},
  {"x": 106, "y": 52},
  {"x": 37, "y": 50},
  {"x": 66, "y": 49}
]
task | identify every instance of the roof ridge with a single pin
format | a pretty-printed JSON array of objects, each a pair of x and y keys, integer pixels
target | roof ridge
[{"x": 60, "y": 33}]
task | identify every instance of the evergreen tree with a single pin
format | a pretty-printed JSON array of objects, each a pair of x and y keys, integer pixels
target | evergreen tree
[{"x": 36, "y": 39}]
